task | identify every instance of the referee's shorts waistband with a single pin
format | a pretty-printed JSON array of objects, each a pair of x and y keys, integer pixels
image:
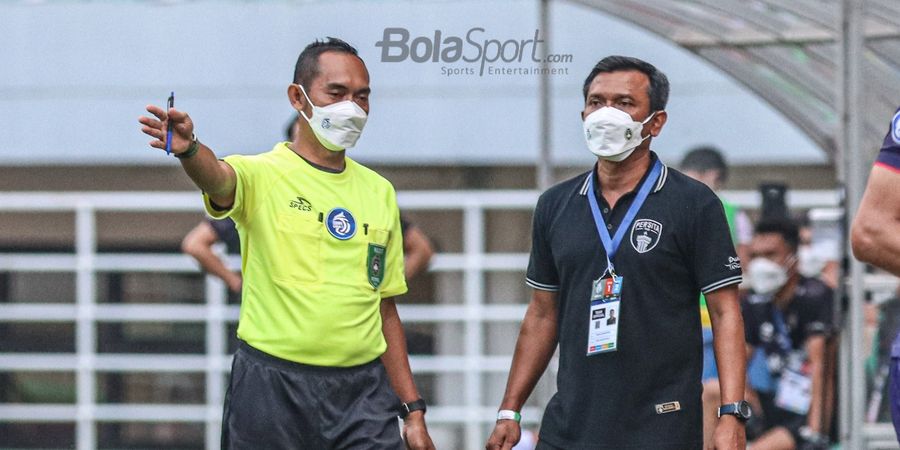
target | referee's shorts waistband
[{"x": 285, "y": 364}]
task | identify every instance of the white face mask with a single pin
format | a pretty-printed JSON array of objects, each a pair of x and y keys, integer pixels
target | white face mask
[
  {"x": 810, "y": 261},
  {"x": 612, "y": 134},
  {"x": 337, "y": 126},
  {"x": 766, "y": 276}
]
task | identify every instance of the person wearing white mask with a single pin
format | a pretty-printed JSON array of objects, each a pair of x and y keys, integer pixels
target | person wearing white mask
[
  {"x": 635, "y": 240},
  {"x": 322, "y": 361},
  {"x": 788, "y": 316}
]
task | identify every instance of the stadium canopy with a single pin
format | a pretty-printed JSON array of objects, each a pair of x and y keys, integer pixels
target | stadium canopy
[{"x": 786, "y": 51}]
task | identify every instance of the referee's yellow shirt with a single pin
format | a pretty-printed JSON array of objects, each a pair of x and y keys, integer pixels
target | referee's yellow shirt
[{"x": 319, "y": 251}]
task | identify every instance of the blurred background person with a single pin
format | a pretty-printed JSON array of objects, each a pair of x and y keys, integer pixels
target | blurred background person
[
  {"x": 788, "y": 317},
  {"x": 818, "y": 254},
  {"x": 199, "y": 242},
  {"x": 707, "y": 165}
]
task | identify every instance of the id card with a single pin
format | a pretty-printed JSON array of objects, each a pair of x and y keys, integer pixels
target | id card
[
  {"x": 603, "y": 319},
  {"x": 794, "y": 392}
]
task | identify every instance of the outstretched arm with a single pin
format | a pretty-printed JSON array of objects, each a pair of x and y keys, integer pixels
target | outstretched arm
[
  {"x": 534, "y": 348},
  {"x": 874, "y": 236},
  {"x": 396, "y": 362},
  {"x": 212, "y": 176}
]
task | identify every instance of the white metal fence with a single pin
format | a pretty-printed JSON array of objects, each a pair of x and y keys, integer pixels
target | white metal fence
[{"x": 474, "y": 411}]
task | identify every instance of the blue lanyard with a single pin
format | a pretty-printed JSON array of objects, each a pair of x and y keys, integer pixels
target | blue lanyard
[
  {"x": 784, "y": 337},
  {"x": 612, "y": 244}
]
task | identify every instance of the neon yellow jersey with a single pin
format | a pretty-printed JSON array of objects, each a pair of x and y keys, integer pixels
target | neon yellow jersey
[{"x": 319, "y": 251}]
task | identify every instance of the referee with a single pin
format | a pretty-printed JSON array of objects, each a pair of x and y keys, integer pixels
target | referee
[{"x": 322, "y": 359}]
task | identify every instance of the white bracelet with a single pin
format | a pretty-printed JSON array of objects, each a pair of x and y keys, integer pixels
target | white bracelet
[{"x": 508, "y": 414}]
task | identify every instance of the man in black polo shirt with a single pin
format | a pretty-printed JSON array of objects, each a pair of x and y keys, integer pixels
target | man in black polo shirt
[
  {"x": 633, "y": 383},
  {"x": 788, "y": 316}
]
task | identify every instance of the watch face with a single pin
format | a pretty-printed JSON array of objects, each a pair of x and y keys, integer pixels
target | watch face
[{"x": 744, "y": 410}]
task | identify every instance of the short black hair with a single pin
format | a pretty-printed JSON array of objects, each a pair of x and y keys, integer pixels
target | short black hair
[
  {"x": 659, "y": 84},
  {"x": 784, "y": 226},
  {"x": 307, "y": 66},
  {"x": 704, "y": 159}
]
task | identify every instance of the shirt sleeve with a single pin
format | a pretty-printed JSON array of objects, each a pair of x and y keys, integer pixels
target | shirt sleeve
[
  {"x": 245, "y": 175},
  {"x": 394, "y": 282},
  {"x": 541, "y": 272},
  {"x": 712, "y": 257},
  {"x": 889, "y": 156}
]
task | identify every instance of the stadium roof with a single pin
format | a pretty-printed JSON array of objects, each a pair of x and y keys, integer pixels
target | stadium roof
[{"x": 787, "y": 51}]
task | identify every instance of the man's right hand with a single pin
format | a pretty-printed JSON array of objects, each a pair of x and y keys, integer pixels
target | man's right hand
[
  {"x": 506, "y": 434},
  {"x": 182, "y": 128}
]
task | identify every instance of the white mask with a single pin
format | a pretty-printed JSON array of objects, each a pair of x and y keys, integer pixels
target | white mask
[
  {"x": 810, "y": 261},
  {"x": 336, "y": 126},
  {"x": 612, "y": 134},
  {"x": 766, "y": 276}
]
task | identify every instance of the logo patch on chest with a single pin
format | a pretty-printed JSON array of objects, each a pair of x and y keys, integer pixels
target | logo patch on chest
[
  {"x": 895, "y": 128},
  {"x": 340, "y": 223},
  {"x": 645, "y": 235}
]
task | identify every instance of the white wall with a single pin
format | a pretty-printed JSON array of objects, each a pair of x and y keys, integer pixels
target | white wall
[{"x": 75, "y": 75}]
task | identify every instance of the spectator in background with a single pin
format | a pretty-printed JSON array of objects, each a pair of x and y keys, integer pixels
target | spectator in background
[
  {"x": 817, "y": 255},
  {"x": 787, "y": 315},
  {"x": 199, "y": 242},
  {"x": 707, "y": 165}
]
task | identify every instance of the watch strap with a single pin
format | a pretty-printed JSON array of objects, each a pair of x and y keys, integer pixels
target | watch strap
[
  {"x": 191, "y": 150},
  {"x": 406, "y": 408},
  {"x": 734, "y": 409}
]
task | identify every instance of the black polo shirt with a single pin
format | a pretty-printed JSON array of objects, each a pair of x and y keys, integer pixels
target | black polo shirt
[
  {"x": 808, "y": 314},
  {"x": 609, "y": 400}
]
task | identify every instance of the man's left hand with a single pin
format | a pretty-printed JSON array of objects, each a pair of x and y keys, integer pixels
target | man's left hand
[
  {"x": 730, "y": 434},
  {"x": 415, "y": 434}
]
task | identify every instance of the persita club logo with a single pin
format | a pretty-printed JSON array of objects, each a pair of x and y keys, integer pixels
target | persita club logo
[{"x": 645, "y": 235}]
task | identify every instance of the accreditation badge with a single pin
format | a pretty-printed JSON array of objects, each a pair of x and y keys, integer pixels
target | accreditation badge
[
  {"x": 603, "y": 323},
  {"x": 375, "y": 263},
  {"x": 794, "y": 392}
]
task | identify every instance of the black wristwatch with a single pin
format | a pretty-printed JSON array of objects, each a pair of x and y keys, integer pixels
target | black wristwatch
[
  {"x": 740, "y": 409},
  {"x": 406, "y": 408}
]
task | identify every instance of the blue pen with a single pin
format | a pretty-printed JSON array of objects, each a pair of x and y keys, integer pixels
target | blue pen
[{"x": 168, "y": 128}]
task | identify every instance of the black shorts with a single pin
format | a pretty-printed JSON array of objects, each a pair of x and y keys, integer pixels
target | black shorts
[
  {"x": 777, "y": 417},
  {"x": 272, "y": 403}
]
